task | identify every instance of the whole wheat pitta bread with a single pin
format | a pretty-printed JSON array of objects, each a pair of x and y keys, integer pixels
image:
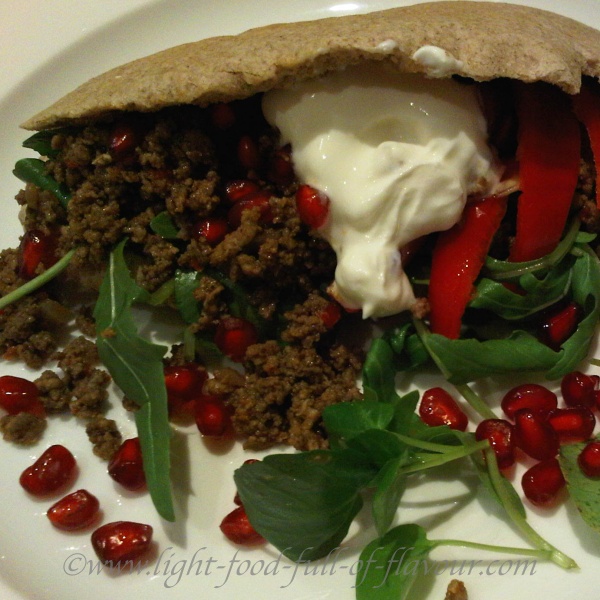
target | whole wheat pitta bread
[{"x": 489, "y": 39}]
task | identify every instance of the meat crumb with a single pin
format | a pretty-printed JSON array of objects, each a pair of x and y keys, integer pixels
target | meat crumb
[
  {"x": 23, "y": 428},
  {"x": 78, "y": 357},
  {"x": 420, "y": 309},
  {"x": 55, "y": 393},
  {"x": 285, "y": 392},
  {"x": 456, "y": 591},
  {"x": 85, "y": 322},
  {"x": 104, "y": 436},
  {"x": 90, "y": 393}
]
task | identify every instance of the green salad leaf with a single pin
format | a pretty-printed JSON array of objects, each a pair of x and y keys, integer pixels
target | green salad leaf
[
  {"x": 390, "y": 485},
  {"x": 586, "y": 293},
  {"x": 583, "y": 490},
  {"x": 540, "y": 293},
  {"x": 33, "y": 170},
  {"x": 238, "y": 302},
  {"x": 41, "y": 142},
  {"x": 162, "y": 224},
  {"x": 304, "y": 503},
  {"x": 346, "y": 420},
  {"x": 186, "y": 283},
  {"x": 38, "y": 281},
  {"x": 377, "y": 383},
  {"x": 467, "y": 360},
  {"x": 136, "y": 367},
  {"x": 390, "y": 565}
]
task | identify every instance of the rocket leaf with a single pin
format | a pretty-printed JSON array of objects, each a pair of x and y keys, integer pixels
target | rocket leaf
[
  {"x": 136, "y": 367},
  {"x": 584, "y": 490}
]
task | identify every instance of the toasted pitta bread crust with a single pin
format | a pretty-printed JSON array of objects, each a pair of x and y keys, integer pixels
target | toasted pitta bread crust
[{"x": 490, "y": 40}]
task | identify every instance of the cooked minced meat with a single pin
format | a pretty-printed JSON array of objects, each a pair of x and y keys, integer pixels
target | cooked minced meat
[
  {"x": 78, "y": 357},
  {"x": 286, "y": 389},
  {"x": 176, "y": 163},
  {"x": 90, "y": 393},
  {"x": 23, "y": 428},
  {"x": 456, "y": 591},
  {"x": 105, "y": 437},
  {"x": 24, "y": 333},
  {"x": 585, "y": 198},
  {"x": 55, "y": 392}
]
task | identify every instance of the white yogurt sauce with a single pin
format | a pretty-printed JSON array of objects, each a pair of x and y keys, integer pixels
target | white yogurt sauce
[
  {"x": 437, "y": 62},
  {"x": 397, "y": 155}
]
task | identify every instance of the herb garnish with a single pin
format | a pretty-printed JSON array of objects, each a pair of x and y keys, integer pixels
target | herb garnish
[
  {"x": 33, "y": 170},
  {"x": 162, "y": 224},
  {"x": 389, "y": 565},
  {"x": 136, "y": 367},
  {"x": 38, "y": 281},
  {"x": 584, "y": 490},
  {"x": 374, "y": 444}
]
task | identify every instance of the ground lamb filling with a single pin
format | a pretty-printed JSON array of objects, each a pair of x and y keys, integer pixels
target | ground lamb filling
[
  {"x": 178, "y": 163},
  {"x": 181, "y": 167}
]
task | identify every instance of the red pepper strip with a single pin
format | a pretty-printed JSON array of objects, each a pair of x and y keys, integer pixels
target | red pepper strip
[
  {"x": 458, "y": 255},
  {"x": 548, "y": 152},
  {"x": 587, "y": 108}
]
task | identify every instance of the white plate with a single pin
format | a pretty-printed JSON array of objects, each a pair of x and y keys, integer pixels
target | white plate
[{"x": 47, "y": 49}]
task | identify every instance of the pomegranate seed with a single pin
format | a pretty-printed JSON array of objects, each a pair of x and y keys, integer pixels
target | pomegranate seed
[
  {"x": 534, "y": 435},
  {"x": 589, "y": 459},
  {"x": 124, "y": 138},
  {"x": 20, "y": 395},
  {"x": 121, "y": 541},
  {"x": 185, "y": 381},
  {"x": 560, "y": 325},
  {"x": 578, "y": 389},
  {"x": 247, "y": 153},
  {"x": 127, "y": 466},
  {"x": 312, "y": 206},
  {"x": 437, "y": 407},
  {"x": 500, "y": 434},
  {"x": 181, "y": 408},
  {"x": 542, "y": 482},
  {"x": 234, "y": 336},
  {"x": 36, "y": 248},
  {"x": 213, "y": 230},
  {"x": 281, "y": 169},
  {"x": 529, "y": 395},
  {"x": 75, "y": 511},
  {"x": 50, "y": 472},
  {"x": 183, "y": 384},
  {"x": 237, "y": 528},
  {"x": 260, "y": 200},
  {"x": 212, "y": 416},
  {"x": 222, "y": 116},
  {"x": 240, "y": 188},
  {"x": 331, "y": 314},
  {"x": 574, "y": 424}
]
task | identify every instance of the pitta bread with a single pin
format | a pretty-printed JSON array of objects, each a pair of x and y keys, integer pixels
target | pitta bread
[{"x": 489, "y": 39}]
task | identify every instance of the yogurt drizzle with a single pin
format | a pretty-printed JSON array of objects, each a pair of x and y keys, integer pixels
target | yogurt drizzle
[{"x": 397, "y": 155}]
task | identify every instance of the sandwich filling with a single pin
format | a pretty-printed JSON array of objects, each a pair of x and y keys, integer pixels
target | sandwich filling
[{"x": 397, "y": 155}]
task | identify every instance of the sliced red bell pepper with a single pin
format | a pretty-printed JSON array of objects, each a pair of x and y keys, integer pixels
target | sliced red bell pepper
[
  {"x": 587, "y": 108},
  {"x": 548, "y": 152},
  {"x": 458, "y": 256}
]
